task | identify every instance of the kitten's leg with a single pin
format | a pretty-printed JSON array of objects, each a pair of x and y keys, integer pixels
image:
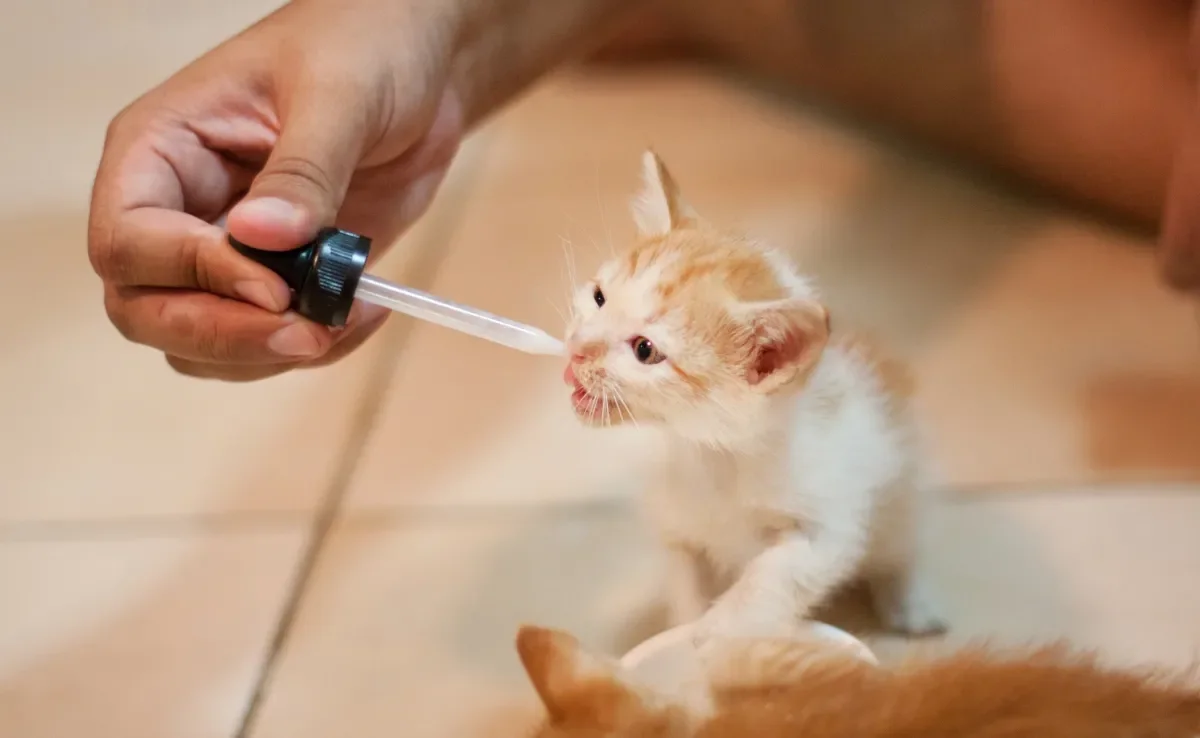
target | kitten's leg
[
  {"x": 895, "y": 572},
  {"x": 688, "y": 594},
  {"x": 781, "y": 585},
  {"x": 904, "y": 603}
]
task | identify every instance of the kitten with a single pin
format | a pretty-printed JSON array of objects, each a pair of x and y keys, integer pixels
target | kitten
[
  {"x": 781, "y": 689},
  {"x": 792, "y": 465}
]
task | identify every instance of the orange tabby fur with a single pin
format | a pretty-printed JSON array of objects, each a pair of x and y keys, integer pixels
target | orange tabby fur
[{"x": 779, "y": 689}]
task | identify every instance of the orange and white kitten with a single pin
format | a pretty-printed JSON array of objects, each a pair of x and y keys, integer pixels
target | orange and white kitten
[
  {"x": 786, "y": 689},
  {"x": 793, "y": 464}
]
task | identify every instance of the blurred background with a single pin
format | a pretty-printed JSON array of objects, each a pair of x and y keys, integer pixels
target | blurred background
[{"x": 350, "y": 550}]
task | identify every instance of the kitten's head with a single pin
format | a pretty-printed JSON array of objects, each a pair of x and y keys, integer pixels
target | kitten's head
[
  {"x": 691, "y": 327},
  {"x": 590, "y": 696}
]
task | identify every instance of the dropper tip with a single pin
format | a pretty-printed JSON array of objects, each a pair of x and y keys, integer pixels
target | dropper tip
[{"x": 547, "y": 345}]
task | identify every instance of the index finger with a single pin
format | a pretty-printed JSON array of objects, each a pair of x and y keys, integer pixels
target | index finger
[
  {"x": 156, "y": 189},
  {"x": 1180, "y": 247}
]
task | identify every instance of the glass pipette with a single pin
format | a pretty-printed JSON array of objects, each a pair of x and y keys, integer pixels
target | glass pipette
[
  {"x": 326, "y": 276},
  {"x": 449, "y": 314}
]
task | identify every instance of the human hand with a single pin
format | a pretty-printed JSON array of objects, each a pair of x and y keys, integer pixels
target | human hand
[
  {"x": 1180, "y": 246},
  {"x": 326, "y": 112}
]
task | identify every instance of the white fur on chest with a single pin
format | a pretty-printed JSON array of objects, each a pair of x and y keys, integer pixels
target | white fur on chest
[{"x": 834, "y": 451}]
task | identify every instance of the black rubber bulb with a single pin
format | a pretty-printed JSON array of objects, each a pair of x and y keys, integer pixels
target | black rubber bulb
[{"x": 322, "y": 274}]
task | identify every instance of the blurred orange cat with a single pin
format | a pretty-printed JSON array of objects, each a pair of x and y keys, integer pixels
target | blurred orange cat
[{"x": 782, "y": 689}]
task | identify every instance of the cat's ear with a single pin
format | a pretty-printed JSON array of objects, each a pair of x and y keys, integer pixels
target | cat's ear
[
  {"x": 659, "y": 208},
  {"x": 789, "y": 337},
  {"x": 576, "y": 687}
]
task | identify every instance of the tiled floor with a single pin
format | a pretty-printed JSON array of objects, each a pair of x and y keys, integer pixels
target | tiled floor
[{"x": 180, "y": 558}]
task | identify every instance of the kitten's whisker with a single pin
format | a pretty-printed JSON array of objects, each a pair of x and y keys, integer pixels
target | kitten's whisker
[
  {"x": 572, "y": 275},
  {"x": 569, "y": 255},
  {"x": 592, "y": 404},
  {"x": 622, "y": 402},
  {"x": 560, "y": 312}
]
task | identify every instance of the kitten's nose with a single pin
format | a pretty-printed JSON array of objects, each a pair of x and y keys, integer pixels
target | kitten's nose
[{"x": 581, "y": 352}]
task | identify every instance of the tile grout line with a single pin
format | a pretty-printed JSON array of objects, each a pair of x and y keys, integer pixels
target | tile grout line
[
  {"x": 83, "y": 529},
  {"x": 423, "y": 270},
  {"x": 148, "y": 526}
]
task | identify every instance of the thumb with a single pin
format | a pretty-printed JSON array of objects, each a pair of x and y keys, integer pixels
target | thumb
[
  {"x": 301, "y": 187},
  {"x": 1179, "y": 250}
]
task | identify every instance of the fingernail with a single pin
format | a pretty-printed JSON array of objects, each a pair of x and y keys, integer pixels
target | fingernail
[
  {"x": 295, "y": 340},
  {"x": 270, "y": 209},
  {"x": 261, "y": 294},
  {"x": 371, "y": 313}
]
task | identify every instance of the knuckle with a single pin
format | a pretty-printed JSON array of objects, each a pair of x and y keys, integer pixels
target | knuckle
[
  {"x": 99, "y": 246},
  {"x": 111, "y": 256},
  {"x": 117, "y": 309},
  {"x": 209, "y": 340},
  {"x": 217, "y": 342},
  {"x": 296, "y": 172},
  {"x": 194, "y": 257},
  {"x": 117, "y": 125}
]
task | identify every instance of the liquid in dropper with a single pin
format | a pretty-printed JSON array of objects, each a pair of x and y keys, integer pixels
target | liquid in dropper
[{"x": 448, "y": 314}]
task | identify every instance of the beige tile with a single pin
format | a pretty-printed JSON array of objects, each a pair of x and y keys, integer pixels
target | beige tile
[
  {"x": 409, "y": 626},
  {"x": 1046, "y": 348},
  {"x": 1112, "y": 570},
  {"x": 123, "y": 638},
  {"x": 1072, "y": 363}
]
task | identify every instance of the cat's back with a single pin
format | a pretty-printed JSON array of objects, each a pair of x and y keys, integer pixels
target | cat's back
[{"x": 1046, "y": 694}]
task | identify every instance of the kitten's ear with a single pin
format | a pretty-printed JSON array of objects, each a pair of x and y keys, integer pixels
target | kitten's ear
[
  {"x": 659, "y": 208},
  {"x": 789, "y": 336},
  {"x": 577, "y": 687}
]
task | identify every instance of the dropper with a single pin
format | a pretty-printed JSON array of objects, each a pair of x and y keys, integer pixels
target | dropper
[{"x": 327, "y": 274}]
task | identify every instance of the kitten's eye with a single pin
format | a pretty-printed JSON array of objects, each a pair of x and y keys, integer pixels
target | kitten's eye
[
  {"x": 645, "y": 351},
  {"x": 598, "y": 296}
]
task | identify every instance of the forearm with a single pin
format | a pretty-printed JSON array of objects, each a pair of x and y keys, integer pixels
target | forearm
[
  {"x": 503, "y": 46},
  {"x": 1084, "y": 97}
]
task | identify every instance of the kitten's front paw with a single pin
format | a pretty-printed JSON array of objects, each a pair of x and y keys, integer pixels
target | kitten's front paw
[
  {"x": 917, "y": 620},
  {"x": 907, "y": 608}
]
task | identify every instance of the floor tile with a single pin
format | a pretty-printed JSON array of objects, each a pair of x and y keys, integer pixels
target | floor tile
[
  {"x": 138, "y": 638},
  {"x": 1046, "y": 348},
  {"x": 408, "y": 625},
  {"x": 1111, "y": 570}
]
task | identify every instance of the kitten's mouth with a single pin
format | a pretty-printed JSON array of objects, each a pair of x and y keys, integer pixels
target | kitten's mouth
[{"x": 586, "y": 404}]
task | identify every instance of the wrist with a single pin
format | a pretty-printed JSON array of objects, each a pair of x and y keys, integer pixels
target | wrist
[{"x": 500, "y": 47}]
